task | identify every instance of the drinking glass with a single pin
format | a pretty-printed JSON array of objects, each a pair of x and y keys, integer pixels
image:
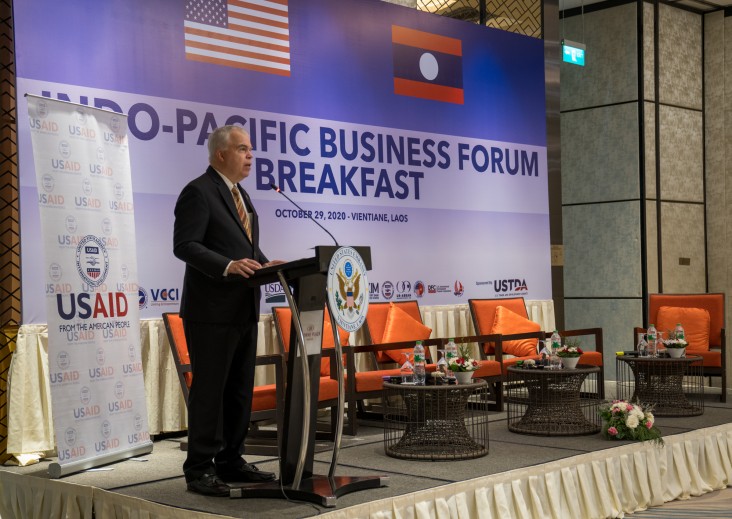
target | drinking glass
[
  {"x": 442, "y": 363},
  {"x": 407, "y": 370},
  {"x": 555, "y": 361},
  {"x": 642, "y": 346}
]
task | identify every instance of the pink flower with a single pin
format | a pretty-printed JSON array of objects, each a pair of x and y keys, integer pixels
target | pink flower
[
  {"x": 649, "y": 424},
  {"x": 630, "y": 407},
  {"x": 612, "y": 431}
]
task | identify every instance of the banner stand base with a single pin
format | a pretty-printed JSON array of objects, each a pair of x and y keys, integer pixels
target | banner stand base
[
  {"x": 321, "y": 490},
  {"x": 56, "y": 470}
]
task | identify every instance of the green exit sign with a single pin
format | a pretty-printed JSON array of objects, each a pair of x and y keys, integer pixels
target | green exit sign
[{"x": 573, "y": 52}]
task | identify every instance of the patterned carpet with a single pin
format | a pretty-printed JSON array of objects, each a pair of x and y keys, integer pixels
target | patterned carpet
[{"x": 715, "y": 505}]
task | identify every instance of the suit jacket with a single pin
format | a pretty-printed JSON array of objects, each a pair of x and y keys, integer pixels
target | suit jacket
[{"x": 208, "y": 235}]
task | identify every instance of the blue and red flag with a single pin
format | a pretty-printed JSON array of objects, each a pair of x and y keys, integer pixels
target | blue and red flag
[{"x": 427, "y": 65}]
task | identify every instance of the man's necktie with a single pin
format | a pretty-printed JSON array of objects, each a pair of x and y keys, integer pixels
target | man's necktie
[{"x": 243, "y": 216}]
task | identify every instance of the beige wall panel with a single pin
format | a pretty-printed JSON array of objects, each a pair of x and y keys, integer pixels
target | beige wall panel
[
  {"x": 682, "y": 154},
  {"x": 682, "y": 236},
  {"x": 680, "y": 57},
  {"x": 616, "y": 317},
  {"x": 651, "y": 246},
  {"x": 600, "y": 154},
  {"x": 649, "y": 59},
  {"x": 610, "y": 74},
  {"x": 649, "y": 134},
  {"x": 715, "y": 154},
  {"x": 602, "y": 250}
]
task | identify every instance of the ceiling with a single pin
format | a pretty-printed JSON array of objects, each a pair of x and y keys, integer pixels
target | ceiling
[{"x": 702, "y": 6}]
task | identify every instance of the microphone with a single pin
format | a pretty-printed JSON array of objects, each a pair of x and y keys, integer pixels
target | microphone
[{"x": 306, "y": 213}]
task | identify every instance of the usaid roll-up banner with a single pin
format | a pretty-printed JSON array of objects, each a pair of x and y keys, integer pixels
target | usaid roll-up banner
[
  {"x": 94, "y": 358},
  {"x": 420, "y": 136}
]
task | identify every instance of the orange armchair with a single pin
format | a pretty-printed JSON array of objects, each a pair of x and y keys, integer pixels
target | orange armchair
[
  {"x": 702, "y": 316},
  {"x": 268, "y": 400},
  {"x": 505, "y": 322},
  {"x": 328, "y": 387}
]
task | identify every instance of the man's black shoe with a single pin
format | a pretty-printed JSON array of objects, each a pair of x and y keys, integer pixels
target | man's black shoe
[
  {"x": 209, "y": 485},
  {"x": 247, "y": 473}
]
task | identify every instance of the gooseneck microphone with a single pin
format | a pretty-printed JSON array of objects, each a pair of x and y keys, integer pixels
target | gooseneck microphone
[{"x": 306, "y": 213}]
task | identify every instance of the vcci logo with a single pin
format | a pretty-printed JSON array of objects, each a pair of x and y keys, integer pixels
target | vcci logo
[{"x": 158, "y": 297}]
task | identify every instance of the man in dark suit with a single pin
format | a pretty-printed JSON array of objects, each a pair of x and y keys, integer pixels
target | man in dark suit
[{"x": 217, "y": 235}]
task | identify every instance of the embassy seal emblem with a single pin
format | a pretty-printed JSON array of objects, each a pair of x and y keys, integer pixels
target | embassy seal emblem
[{"x": 348, "y": 289}]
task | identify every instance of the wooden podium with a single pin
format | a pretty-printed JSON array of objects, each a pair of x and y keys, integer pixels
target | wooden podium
[{"x": 304, "y": 282}]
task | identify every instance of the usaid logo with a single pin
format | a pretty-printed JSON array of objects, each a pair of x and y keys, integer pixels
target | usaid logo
[
  {"x": 137, "y": 421},
  {"x": 106, "y": 428},
  {"x": 80, "y": 116},
  {"x": 131, "y": 352},
  {"x": 70, "y": 436},
  {"x": 86, "y": 187},
  {"x": 63, "y": 360},
  {"x": 85, "y": 395},
  {"x": 100, "y": 356},
  {"x": 274, "y": 293},
  {"x": 100, "y": 154},
  {"x": 125, "y": 272},
  {"x": 119, "y": 390},
  {"x": 42, "y": 109},
  {"x": 115, "y": 124},
  {"x": 55, "y": 272},
  {"x": 107, "y": 226},
  {"x": 48, "y": 183},
  {"x": 387, "y": 289},
  {"x": 119, "y": 191},
  {"x": 64, "y": 149},
  {"x": 71, "y": 224},
  {"x": 92, "y": 260}
]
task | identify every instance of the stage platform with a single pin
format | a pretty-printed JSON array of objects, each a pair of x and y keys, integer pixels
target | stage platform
[{"x": 522, "y": 476}]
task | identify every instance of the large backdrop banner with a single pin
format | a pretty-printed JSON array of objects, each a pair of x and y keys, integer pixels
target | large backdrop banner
[
  {"x": 420, "y": 136},
  {"x": 94, "y": 357}
]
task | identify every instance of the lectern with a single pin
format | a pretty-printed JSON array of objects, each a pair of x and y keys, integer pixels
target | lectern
[{"x": 304, "y": 282}]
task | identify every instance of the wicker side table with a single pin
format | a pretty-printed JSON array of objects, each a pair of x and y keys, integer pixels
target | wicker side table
[
  {"x": 674, "y": 387},
  {"x": 553, "y": 402},
  {"x": 436, "y": 423}
]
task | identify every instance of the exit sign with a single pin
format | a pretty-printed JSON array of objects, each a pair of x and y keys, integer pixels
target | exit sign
[{"x": 573, "y": 52}]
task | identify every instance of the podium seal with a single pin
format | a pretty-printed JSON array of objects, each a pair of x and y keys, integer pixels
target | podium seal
[{"x": 348, "y": 289}]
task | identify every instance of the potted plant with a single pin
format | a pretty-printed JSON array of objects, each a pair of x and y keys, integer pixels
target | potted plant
[
  {"x": 625, "y": 421},
  {"x": 570, "y": 354},
  {"x": 464, "y": 364},
  {"x": 675, "y": 348}
]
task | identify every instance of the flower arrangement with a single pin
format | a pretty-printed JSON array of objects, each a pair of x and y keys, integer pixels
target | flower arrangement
[
  {"x": 626, "y": 421},
  {"x": 569, "y": 351},
  {"x": 463, "y": 361},
  {"x": 675, "y": 343}
]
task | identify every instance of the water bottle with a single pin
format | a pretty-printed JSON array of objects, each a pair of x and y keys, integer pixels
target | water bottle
[
  {"x": 451, "y": 353},
  {"x": 419, "y": 367},
  {"x": 652, "y": 335},
  {"x": 679, "y": 332},
  {"x": 556, "y": 341}
]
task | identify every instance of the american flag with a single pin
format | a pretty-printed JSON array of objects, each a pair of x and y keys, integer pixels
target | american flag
[{"x": 251, "y": 34}]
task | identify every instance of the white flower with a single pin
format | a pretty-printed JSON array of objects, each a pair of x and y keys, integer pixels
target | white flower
[
  {"x": 650, "y": 418},
  {"x": 637, "y": 411},
  {"x": 632, "y": 421}
]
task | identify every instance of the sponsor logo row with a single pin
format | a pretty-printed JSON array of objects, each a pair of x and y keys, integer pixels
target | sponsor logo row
[{"x": 404, "y": 289}]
